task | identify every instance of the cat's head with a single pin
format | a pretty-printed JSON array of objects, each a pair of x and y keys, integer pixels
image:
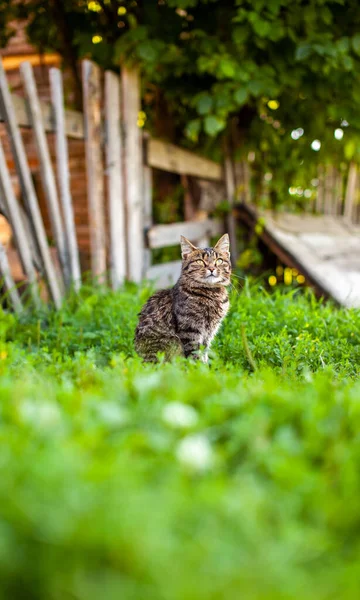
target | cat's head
[{"x": 206, "y": 266}]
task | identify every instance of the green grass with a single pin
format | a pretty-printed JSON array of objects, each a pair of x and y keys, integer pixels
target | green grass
[{"x": 180, "y": 481}]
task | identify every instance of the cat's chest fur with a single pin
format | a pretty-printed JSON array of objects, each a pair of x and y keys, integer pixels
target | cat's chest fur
[{"x": 201, "y": 309}]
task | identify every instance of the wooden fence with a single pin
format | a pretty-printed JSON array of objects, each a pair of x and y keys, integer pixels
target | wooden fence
[
  {"x": 119, "y": 163},
  {"x": 120, "y": 159}
]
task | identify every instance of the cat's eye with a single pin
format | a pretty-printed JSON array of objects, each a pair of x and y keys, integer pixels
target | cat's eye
[
  {"x": 219, "y": 261},
  {"x": 199, "y": 262}
]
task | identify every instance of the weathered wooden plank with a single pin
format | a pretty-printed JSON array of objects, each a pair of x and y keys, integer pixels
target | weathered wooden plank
[
  {"x": 328, "y": 258},
  {"x": 161, "y": 236},
  {"x": 95, "y": 175},
  {"x": 62, "y": 160},
  {"x": 350, "y": 192},
  {"x": 133, "y": 163},
  {"x": 115, "y": 179},
  {"x": 20, "y": 235},
  {"x": 147, "y": 200},
  {"x": 168, "y": 157},
  {"x": 74, "y": 121},
  {"x": 27, "y": 187},
  {"x": 46, "y": 170},
  {"x": 5, "y": 271},
  {"x": 166, "y": 274},
  {"x": 230, "y": 192}
]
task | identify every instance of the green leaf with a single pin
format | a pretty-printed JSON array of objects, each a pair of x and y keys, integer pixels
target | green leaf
[
  {"x": 343, "y": 45},
  {"x": 147, "y": 51},
  {"x": 204, "y": 103},
  {"x": 240, "y": 35},
  {"x": 193, "y": 129},
  {"x": 241, "y": 96},
  {"x": 303, "y": 51},
  {"x": 355, "y": 42},
  {"x": 213, "y": 125},
  {"x": 256, "y": 87},
  {"x": 261, "y": 27},
  {"x": 348, "y": 63},
  {"x": 227, "y": 68},
  {"x": 349, "y": 149}
]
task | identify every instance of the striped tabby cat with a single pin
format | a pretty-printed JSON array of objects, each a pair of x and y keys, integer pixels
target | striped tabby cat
[{"x": 184, "y": 319}]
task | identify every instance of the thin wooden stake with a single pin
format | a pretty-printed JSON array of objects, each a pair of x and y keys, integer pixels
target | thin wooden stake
[
  {"x": 115, "y": 179},
  {"x": 46, "y": 169},
  {"x": 95, "y": 173},
  {"x": 17, "y": 223},
  {"x": 9, "y": 281},
  {"x": 27, "y": 187},
  {"x": 148, "y": 220},
  {"x": 133, "y": 163},
  {"x": 350, "y": 192},
  {"x": 230, "y": 192},
  {"x": 62, "y": 160}
]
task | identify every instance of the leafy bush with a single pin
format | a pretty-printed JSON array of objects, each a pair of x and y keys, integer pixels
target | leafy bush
[{"x": 180, "y": 481}]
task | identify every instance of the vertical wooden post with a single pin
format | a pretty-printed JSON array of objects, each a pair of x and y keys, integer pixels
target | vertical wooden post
[
  {"x": 115, "y": 179},
  {"x": 15, "y": 218},
  {"x": 148, "y": 205},
  {"x": 95, "y": 174},
  {"x": 27, "y": 187},
  {"x": 47, "y": 174},
  {"x": 350, "y": 192},
  {"x": 9, "y": 281},
  {"x": 62, "y": 160},
  {"x": 230, "y": 192},
  {"x": 133, "y": 165}
]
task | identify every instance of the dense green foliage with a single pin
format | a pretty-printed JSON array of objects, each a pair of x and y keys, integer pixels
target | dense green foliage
[
  {"x": 180, "y": 481},
  {"x": 251, "y": 71}
]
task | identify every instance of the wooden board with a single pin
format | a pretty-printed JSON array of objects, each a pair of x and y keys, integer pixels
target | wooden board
[
  {"x": 21, "y": 236},
  {"x": 115, "y": 179},
  {"x": 5, "y": 271},
  {"x": 325, "y": 249},
  {"x": 133, "y": 170},
  {"x": 94, "y": 168},
  {"x": 27, "y": 186},
  {"x": 46, "y": 169},
  {"x": 164, "y": 275},
  {"x": 73, "y": 274},
  {"x": 161, "y": 236},
  {"x": 167, "y": 157},
  {"x": 73, "y": 119}
]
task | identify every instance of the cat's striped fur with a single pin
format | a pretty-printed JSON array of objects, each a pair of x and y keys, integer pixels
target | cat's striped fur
[{"x": 184, "y": 319}]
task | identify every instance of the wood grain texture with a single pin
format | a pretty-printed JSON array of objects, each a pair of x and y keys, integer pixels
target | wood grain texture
[
  {"x": 95, "y": 173},
  {"x": 168, "y": 157},
  {"x": 73, "y": 274},
  {"x": 46, "y": 169},
  {"x": 28, "y": 190},
  {"x": 133, "y": 165},
  {"x": 161, "y": 236},
  {"x": 5, "y": 271},
  {"x": 115, "y": 179}
]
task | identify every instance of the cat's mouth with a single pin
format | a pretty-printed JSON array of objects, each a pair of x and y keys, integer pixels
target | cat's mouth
[{"x": 212, "y": 278}]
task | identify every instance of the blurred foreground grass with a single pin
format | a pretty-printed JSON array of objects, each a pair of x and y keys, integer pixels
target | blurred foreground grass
[{"x": 179, "y": 481}]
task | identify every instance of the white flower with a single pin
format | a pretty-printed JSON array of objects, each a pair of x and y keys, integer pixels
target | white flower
[
  {"x": 110, "y": 413},
  {"x": 41, "y": 414},
  {"x": 195, "y": 452},
  {"x": 180, "y": 415}
]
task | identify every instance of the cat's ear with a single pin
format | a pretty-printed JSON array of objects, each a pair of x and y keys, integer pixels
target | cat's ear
[
  {"x": 223, "y": 245},
  {"x": 186, "y": 247}
]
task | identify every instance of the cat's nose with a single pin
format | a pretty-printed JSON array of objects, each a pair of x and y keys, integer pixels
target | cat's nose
[{"x": 211, "y": 269}]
